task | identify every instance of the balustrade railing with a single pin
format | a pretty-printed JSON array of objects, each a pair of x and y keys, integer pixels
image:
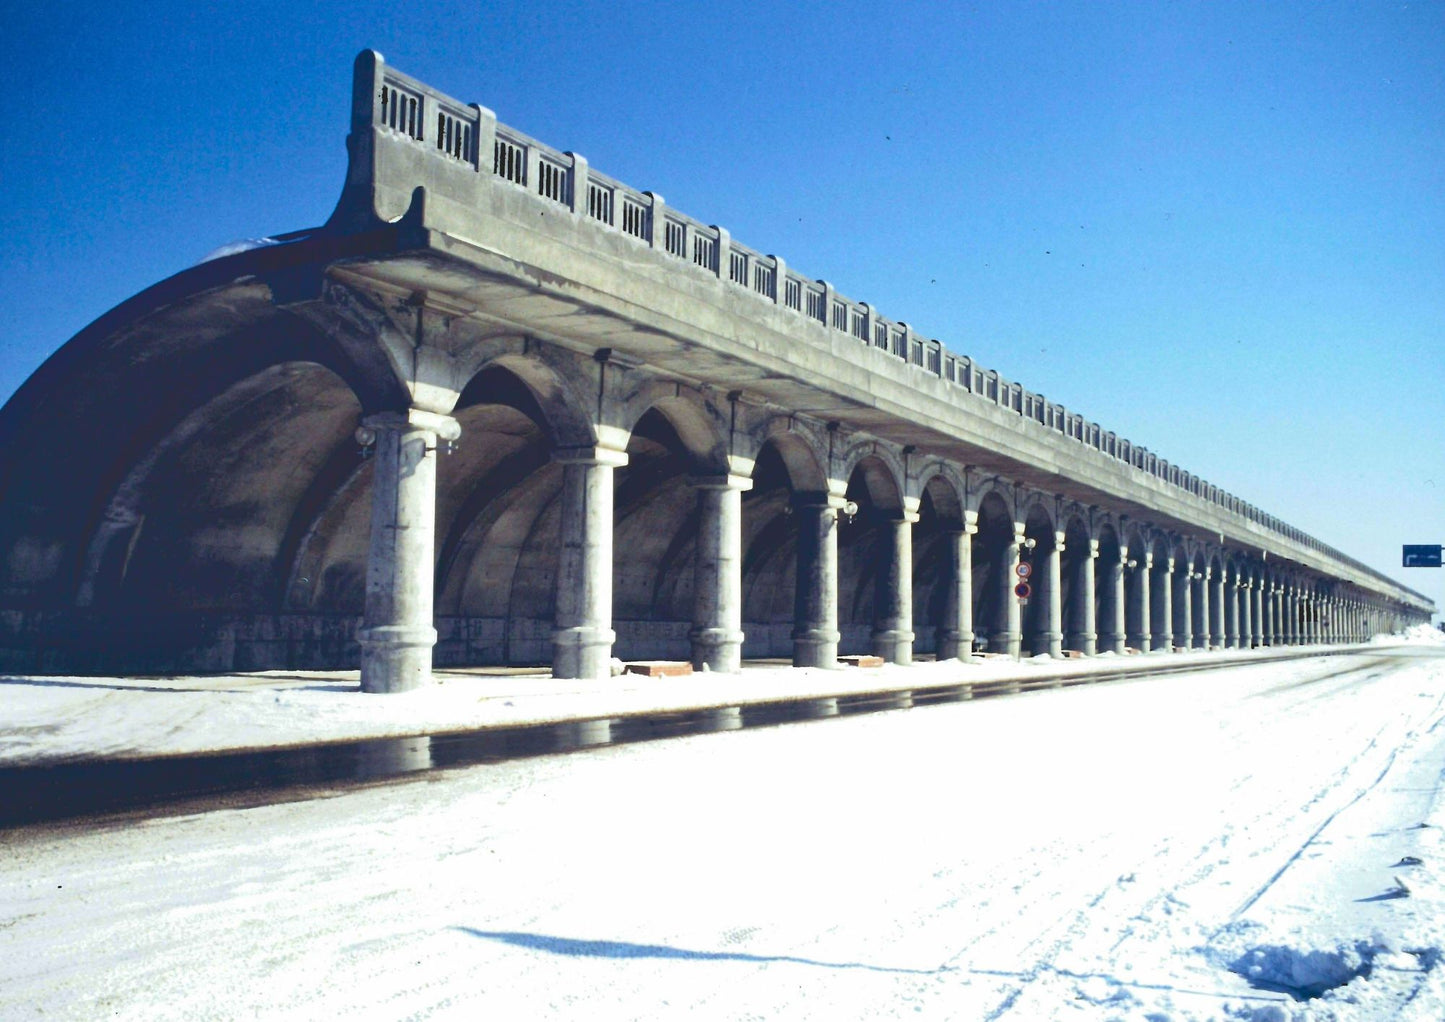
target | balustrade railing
[{"x": 409, "y": 108}]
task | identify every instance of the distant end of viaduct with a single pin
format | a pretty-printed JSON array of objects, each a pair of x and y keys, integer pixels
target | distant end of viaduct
[{"x": 503, "y": 409}]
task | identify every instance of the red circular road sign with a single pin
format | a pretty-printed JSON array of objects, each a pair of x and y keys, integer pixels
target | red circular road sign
[
  {"x": 1023, "y": 569},
  {"x": 1022, "y": 590}
]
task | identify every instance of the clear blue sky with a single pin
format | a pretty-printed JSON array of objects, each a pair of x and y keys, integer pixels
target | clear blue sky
[{"x": 1216, "y": 228}]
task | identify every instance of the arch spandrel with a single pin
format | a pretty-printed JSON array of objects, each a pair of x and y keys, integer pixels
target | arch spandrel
[
  {"x": 945, "y": 488},
  {"x": 802, "y": 447},
  {"x": 700, "y": 423},
  {"x": 553, "y": 377},
  {"x": 882, "y": 471}
]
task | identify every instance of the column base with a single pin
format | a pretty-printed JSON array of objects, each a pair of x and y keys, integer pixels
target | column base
[
  {"x": 583, "y": 651},
  {"x": 1011, "y": 643},
  {"x": 955, "y": 645},
  {"x": 1085, "y": 642},
  {"x": 816, "y": 647},
  {"x": 716, "y": 649},
  {"x": 396, "y": 658},
  {"x": 894, "y": 645}
]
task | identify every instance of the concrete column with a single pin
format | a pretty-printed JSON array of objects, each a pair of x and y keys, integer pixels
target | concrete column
[
  {"x": 717, "y": 608},
  {"x": 1138, "y": 633},
  {"x": 398, "y": 632},
  {"x": 582, "y": 641},
  {"x": 1206, "y": 610},
  {"x": 1231, "y": 623},
  {"x": 1113, "y": 635},
  {"x": 1012, "y": 637},
  {"x": 1246, "y": 615},
  {"x": 1291, "y": 616},
  {"x": 1164, "y": 608},
  {"x": 1185, "y": 639},
  {"x": 1054, "y": 623},
  {"x": 1217, "y": 627},
  {"x": 1266, "y": 612},
  {"x": 1277, "y": 618},
  {"x": 955, "y": 638},
  {"x": 1085, "y": 638},
  {"x": 815, "y": 603},
  {"x": 893, "y": 619}
]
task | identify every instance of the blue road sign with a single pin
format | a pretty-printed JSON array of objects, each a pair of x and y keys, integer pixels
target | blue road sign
[
  {"x": 1426, "y": 556},
  {"x": 1022, "y": 590}
]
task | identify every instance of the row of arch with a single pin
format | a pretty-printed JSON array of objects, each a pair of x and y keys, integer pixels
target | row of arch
[{"x": 555, "y": 507}]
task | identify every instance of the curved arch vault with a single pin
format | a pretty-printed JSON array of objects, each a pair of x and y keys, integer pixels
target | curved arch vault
[{"x": 473, "y": 422}]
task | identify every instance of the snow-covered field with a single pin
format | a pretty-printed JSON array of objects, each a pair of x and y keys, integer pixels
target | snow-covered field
[{"x": 1188, "y": 848}]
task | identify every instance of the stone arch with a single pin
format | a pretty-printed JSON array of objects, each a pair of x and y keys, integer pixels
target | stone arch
[
  {"x": 699, "y": 424},
  {"x": 801, "y": 448},
  {"x": 881, "y": 470},
  {"x": 552, "y": 388},
  {"x": 945, "y": 488},
  {"x": 205, "y": 521},
  {"x": 788, "y": 460},
  {"x": 939, "y": 494}
]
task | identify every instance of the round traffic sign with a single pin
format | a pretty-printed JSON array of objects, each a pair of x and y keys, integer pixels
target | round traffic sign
[
  {"x": 1022, "y": 590},
  {"x": 1023, "y": 569}
]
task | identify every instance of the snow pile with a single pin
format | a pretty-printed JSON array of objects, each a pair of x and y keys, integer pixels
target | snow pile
[
  {"x": 1416, "y": 635},
  {"x": 1305, "y": 974}
]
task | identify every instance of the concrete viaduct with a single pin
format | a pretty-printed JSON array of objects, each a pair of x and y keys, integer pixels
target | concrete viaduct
[{"x": 504, "y": 409}]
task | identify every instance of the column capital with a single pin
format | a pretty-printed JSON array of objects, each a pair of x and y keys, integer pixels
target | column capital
[
  {"x": 721, "y": 482},
  {"x": 818, "y": 499},
  {"x": 444, "y": 426},
  {"x": 590, "y": 456}
]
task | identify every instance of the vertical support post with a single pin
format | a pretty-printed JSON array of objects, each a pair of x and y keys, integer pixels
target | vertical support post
[
  {"x": 1054, "y": 628},
  {"x": 1085, "y": 636},
  {"x": 955, "y": 639},
  {"x": 1116, "y": 641},
  {"x": 1231, "y": 625},
  {"x": 1247, "y": 639},
  {"x": 398, "y": 632},
  {"x": 1184, "y": 639},
  {"x": 1013, "y": 625},
  {"x": 815, "y": 603},
  {"x": 1164, "y": 607},
  {"x": 1256, "y": 602},
  {"x": 582, "y": 641},
  {"x": 1206, "y": 609},
  {"x": 717, "y": 616},
  {"x": 1216, "y": 604},
  {"x": 1138, "y": 633},
  {"x": 893, "y": 622}
]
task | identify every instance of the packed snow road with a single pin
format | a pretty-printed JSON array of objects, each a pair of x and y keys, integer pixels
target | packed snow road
[{"x": 1259, "y": 843}]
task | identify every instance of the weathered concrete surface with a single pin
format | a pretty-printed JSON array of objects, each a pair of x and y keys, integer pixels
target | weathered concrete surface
[{"x": 181, "y": 486}]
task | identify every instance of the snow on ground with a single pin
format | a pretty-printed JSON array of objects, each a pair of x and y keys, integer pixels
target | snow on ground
[
  {"x": 1260, "y": 843},
  {"x": 53, "y": 719}
]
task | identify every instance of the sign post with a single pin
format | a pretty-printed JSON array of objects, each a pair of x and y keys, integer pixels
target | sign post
[{"x": 1023, "y": 570}]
